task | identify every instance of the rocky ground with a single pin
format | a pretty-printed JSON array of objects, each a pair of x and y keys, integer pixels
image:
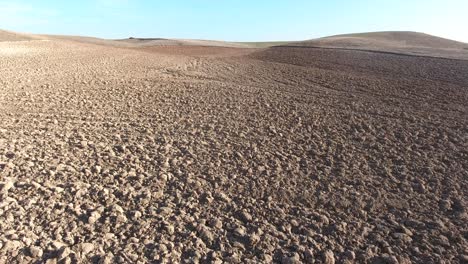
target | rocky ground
[{"x": 217, "y": 155}]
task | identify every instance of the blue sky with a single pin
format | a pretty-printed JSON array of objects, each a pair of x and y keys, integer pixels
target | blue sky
[{"x": 234, "y": 20}]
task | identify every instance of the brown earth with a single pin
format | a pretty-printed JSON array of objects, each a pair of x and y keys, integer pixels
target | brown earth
[{"x": 112, "y": 154}]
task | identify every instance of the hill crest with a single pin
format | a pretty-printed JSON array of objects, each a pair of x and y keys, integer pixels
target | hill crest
[{"x": 396, "y": 39}]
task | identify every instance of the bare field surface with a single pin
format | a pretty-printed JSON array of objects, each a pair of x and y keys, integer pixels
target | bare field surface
[{"x": 222, "y": 155}]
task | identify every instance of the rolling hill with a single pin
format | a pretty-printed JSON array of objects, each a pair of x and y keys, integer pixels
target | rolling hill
[
  {"x": 402, "y": 42},
  {"x": 387, "y": 39},
  {"x": 13, "y": 36}
]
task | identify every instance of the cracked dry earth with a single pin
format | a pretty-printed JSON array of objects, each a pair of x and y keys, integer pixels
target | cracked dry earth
[{"x": 217, "y": 155}]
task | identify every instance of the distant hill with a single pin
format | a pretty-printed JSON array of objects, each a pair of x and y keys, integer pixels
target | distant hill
[
  {"x": 146, "y": 42},
  {"x": 393, "y": 39},
  {"x": 134, "y": 42},
  {"x": 401, "y": 42},
  {"x": 12, "y": 36}
]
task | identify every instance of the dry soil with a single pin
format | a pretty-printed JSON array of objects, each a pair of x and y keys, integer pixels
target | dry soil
[{"x": 111, "y": 154}]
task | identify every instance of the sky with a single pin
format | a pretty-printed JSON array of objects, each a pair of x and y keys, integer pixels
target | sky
[{"x": 234, "y": 20}]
